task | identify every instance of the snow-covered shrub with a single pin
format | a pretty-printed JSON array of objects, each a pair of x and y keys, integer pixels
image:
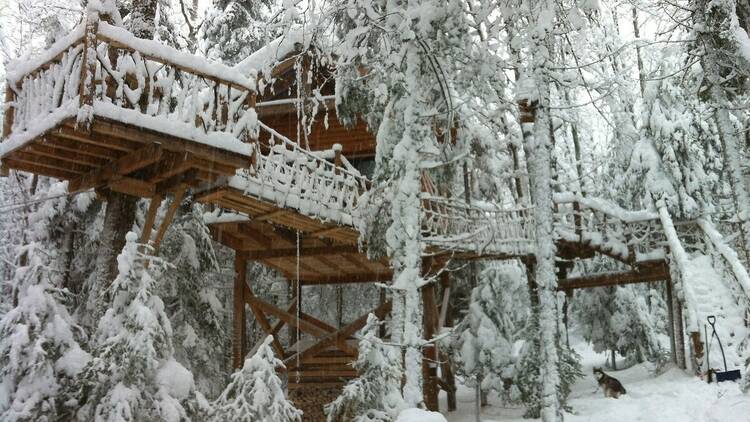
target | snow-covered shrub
[
  {"x": 255, "y": 393},
  {"x": 374, "y": 395}
]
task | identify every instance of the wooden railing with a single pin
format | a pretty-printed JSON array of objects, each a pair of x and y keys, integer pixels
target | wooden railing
[
  {"x": 103, "y": 64},
  {"x": 455, "y": 225},
  {"x": 45, "y": 86},
  {"x": 312, "y": 182},
  {"x": 626, "y": 235}
]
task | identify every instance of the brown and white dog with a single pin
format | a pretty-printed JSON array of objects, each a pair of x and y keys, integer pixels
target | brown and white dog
[{"x": 611, "y": 386}]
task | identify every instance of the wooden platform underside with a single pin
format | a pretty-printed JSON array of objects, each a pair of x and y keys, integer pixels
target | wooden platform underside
[
  {"x": 122, "y": 158},
  {"x": 322, "y": 260}
]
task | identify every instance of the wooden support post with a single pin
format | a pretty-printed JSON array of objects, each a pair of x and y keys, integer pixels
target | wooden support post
[
  {"x": 678, "y": 331},
  {"x": 446, "y": 320},
  {"x": 429, "y": 364},
  {"x": 148, "y": 224},
  {"x": 176, "y": 201},
  {"x": 670, "y": 325},
  {"x": 381, "y": 301},
  {"x": 337, "y": 158},
  {"x": 238, "y": 337},
  {"x": 10, "y": 111}
]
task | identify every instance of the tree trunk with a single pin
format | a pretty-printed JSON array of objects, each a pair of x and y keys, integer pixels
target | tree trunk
[
  {"x": 614, "y": 360},
  {"x": 118, "y": 220},
  {"x": 539, "y": 163}
]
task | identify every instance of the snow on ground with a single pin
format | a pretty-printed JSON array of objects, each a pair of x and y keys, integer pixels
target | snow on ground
[{"x": 672, "y": 396}]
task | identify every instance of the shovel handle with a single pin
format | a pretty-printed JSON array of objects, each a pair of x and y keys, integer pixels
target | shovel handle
[{"x": 711, "y": 320}]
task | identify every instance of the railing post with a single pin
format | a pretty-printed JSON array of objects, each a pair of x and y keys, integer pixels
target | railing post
[
  {"x": 10, "y": 97},
  {"x": 337, "y": 158},
  {"x": 88, "y": 70},
  {"x": 577, "y": 219}
]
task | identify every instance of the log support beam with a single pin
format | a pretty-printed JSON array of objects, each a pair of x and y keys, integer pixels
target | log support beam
[{"x": 238, "y": 313}]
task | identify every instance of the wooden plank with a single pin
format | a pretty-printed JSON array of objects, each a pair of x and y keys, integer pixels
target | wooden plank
[
  {"x": 39, "y": 169},
  {"x": 176, "y": 181},
  {"x": 252, "y": 231},
  {"x": 52, "y": 151},
  {"x": 324, "y": 373},
  {"x": 132, "y": 187},
  {"x": 117, "y": 169},
  {"x": 171, "y": 143},
  {"x": 73, "y": 134},
  {"x": 271, "y": 215},
  {"x": 239, "y": 348},
  {"x": 88, "y": 64},
  {"x": 22, "y": 155},
  {"x": 79, "y": 148},
  {"x": 227, "y": 239},
  {"x": 615, "y": 278},
  {"x": 350, "y": 278},
  {"x": 306, "y": 252},
  {"x": 328, "y": 360},
  {"x": 172, "y": 165}
]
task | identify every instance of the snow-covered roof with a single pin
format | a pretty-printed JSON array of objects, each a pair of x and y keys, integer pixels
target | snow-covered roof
[{"x": 273, "y": 52}]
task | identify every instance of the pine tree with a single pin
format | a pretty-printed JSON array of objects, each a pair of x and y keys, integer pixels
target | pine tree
[
  {"x": 255, "y": 393},
  {"x": 193, "y": 299},
  {"x": 40, "y": 353},
  {"x": 373, "y": 395},
  {"x": 529, "y": 379},
  {"x": 233, "y": 29},
  {"x": 133, "y": 375},
  {"x": 487, "y": 344}
]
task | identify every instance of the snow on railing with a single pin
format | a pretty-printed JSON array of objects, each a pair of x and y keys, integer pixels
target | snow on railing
[
  {"x": 681, "y": 264},
  {"x": 290, "y": 176},
  {"x": 629, "y": 235},
  {"x": 133, "y": 74},
  {"x": 48, "y": 87},
  {"x": 456, "y": 225},
  {"x": 728, "y": 260}
]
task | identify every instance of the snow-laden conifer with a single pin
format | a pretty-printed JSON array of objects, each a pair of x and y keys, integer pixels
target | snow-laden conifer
[
  {"x": 39, "y": 340},
  {"x": 486, "y": 346},
  {"x": 233, "y": 29},
  {"x": 372, "y": 396},
  {"x": 193, "y": 295},
  {"x": 133, "y": 375},
  {"x": 256, "y": 393}
]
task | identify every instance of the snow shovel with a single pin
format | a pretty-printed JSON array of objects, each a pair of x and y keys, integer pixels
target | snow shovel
[{"x": 727, "y": 375}]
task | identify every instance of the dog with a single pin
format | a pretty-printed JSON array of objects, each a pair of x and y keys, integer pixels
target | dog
[{"x": 611, "y": 386}]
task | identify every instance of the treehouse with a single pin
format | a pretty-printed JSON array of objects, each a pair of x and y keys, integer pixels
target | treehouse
[{"x": 261, "y": 144}]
